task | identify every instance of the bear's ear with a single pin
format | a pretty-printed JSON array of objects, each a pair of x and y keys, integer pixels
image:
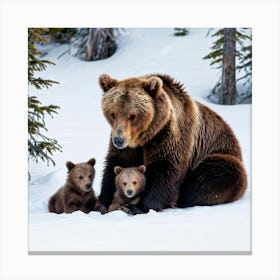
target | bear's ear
[
  {"x": 141, "y": 169},
  {"x": 106, "y": 82},
  {"x": 92, "y": 161},
  {"x": 118, "y": 169},
  {"x": 70, "y": 165},
  {"x": 153, "y": 86}
]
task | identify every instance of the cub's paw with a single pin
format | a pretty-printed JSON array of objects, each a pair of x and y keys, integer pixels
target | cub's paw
[
  {"x": 101, "y": 208},
  {"x": 125, "y": 209},
  {"x": 131, "y": 209},
  {"x": 113, "y": 207}
]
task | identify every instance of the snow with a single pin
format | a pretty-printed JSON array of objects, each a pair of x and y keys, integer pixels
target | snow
[{"x": 83, "y": 132}]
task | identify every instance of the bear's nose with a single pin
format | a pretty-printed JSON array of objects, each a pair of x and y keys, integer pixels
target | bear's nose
[
  {"x": 129, "y": 192},
  {"x": 88, "y": 186},
  {"x": 118, "y": 142}
]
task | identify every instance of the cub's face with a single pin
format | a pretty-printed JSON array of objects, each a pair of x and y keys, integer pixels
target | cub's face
[
  {"x": 128, "y": 107},
  {"x": 81, "y": 174},
  {"x": 130, "y": 181}
]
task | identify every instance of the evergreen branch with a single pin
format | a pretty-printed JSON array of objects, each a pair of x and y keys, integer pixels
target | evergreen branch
[{"x": 39, "y": 145}]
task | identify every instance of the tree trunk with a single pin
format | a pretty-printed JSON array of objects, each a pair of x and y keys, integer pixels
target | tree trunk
[
  {"x": 101, "y": 44},
  {"x": 91, "y": 41},
  {"x": 228, "y": 85}
]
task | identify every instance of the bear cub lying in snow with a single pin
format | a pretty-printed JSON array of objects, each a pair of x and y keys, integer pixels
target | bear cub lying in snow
[
  {"x": 130, "y": 184},
  {"x": 77, "y": 193}
]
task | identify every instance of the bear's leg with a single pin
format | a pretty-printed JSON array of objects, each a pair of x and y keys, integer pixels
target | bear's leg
[
  {"x": 100, "y": 208},
  {"x": 114, "y": 206},
  {"x": 108, "y": 181},
  {"x": 72, "y": 206},
  {"x": 220, "y": 178},
  {"x": 51, "y": 205},
  {"x": 55, "y": 204}
]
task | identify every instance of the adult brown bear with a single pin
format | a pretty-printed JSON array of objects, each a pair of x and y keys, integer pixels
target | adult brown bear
[{"x": 192, "y": 156}]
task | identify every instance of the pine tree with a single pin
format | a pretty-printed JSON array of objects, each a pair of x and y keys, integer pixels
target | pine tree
[
  {"x": 61, "y": 35},
  {"x": 243, "y": 52},
  {"x": 216, "y": 54},
  {"x": 39, "y": 145}
]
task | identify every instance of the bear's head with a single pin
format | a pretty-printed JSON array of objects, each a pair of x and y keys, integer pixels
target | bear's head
[
  {"x": 130, "y": 181},
  {"x": 81, "y": 175},
  {"x": 136, "y": 109}
]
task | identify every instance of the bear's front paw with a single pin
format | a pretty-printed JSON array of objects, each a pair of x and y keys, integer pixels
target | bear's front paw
[
  {"x": 113, "y": 207},
  {"x": 103, "y": 209},
  {"x": 125, "y": 209},
  {"x": 133, "y": 210}
]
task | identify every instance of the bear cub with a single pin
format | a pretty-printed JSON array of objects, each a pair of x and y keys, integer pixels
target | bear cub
[
  {"x": 77, "y": 193},
  {"x": 130, "y": 184}
]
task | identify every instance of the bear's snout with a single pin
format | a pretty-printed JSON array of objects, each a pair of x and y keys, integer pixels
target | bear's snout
[
  {"x": 129, "y": 192},
  {"x": 88, "y": 186},
  {"x": 118, "y": 142}
]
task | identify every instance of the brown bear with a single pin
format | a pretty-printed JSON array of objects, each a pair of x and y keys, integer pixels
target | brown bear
[
  {"x": 191, "y": 154},
  {"x": 130, "y": 184},
  {"x": 77, "y": 193}
]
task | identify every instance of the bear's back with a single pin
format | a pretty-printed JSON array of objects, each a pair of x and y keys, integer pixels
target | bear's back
[{"x": 213, "y": 134}]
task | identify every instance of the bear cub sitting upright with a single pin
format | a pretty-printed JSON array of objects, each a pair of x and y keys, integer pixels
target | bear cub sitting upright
[
  {"x": 130, "y": 184},
  {"x": 77, "y": 193}
]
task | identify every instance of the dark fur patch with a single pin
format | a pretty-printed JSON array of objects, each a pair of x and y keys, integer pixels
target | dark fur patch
[{"x": 218, "y": 179}]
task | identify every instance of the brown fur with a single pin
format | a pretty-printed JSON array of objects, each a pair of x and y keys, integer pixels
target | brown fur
[
  {"x": 131, "y": 178},
  {"x": 77, "y": 193},
  {"x": 176, "y": 138}
]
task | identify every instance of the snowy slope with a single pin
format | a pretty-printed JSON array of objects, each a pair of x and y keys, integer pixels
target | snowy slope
[{"x": 82, "y": 131}]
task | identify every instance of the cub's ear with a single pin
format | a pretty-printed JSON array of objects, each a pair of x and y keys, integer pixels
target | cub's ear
[
  {"x": 118, "y": 169},
  {"x": 141, "y": 169},
  {"x": 106, "y": 82},
  {"x": 153, "y": 86},
  {"x": 70, "y": 165},
  {"x": 92, "y": 161}
]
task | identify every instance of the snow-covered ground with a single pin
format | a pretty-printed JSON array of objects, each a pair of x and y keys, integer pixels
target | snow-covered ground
[{"x": 83, "y": 132}]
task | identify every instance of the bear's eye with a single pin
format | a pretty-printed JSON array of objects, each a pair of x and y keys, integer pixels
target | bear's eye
[
  {"x": 113, "y": 116},
  {"x": 81, "y": 177},
  {"x": 89, "y": 176},
  {"x": 124, "y": 183},
  {"x": 132, "y": 117},
  {"x": 134, "y": 182}
]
